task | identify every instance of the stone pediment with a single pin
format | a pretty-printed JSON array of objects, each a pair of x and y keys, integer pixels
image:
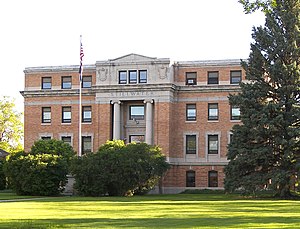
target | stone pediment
[{"x": 133, "y": 58}]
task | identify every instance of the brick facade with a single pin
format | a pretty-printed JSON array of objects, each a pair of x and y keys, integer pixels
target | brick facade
[{"x": 195, "y": 148}]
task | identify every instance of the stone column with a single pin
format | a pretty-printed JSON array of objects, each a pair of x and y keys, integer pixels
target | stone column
[
  {"x": 149, "y": 121},
  {"x": 117, "y": 120}
]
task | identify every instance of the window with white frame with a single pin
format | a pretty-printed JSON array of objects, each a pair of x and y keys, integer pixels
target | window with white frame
[
  {"x": 86, "y": 82},
  {"x": 67, "y": 139},
  {"x": 136, "y": 112},
  {"x": 235, "y": 77},
  {"x": 46, "y": 82},
  {"x": 86, "y": 114},
  {"x": 190, "y": 178},
  {"x": 213, "y": 111},
  {"x": 213, "y": 77},
  {"x": 66, "y": 82},
  {"x": 235, "y": 113},
  {"x": 86, "y": 146},
  {"x": 191, "y": 144},
  {"x": 213, "y": 143},
  {"x": 191, "y": 112},
  {"x": 191, "y": 78},
  {"x": 46, "y": 114},
  {"x": 212, "y": 178},
  {"x": 66, "y": 114}
]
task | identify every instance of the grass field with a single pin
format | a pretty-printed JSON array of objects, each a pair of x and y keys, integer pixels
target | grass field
[{"x": 155, "y": 211}]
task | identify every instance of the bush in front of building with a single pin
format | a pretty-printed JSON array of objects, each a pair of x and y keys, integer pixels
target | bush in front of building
[
  {"x": 2, "y": 176},
  {"x": 117, "y": 169},
  {"x": 43, "y": 171}
]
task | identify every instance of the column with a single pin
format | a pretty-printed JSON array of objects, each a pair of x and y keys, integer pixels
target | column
[
  {"x": 149, "y": 121},
  {"x": 117, "y": 120}
]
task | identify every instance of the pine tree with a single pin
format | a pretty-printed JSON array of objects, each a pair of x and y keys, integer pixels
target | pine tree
[{"x": 265, "y": 149}]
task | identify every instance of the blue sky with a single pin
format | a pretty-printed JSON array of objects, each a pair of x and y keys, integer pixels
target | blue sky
[{"x": 46, "y": 33}]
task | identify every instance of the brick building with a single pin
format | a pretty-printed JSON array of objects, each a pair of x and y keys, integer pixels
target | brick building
[{"x": 182, "y": 107}]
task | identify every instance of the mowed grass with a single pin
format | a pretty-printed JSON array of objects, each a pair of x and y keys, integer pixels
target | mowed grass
[{"x": 152, "y": 211}]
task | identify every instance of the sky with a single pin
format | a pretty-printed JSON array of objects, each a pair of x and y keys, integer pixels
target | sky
[{"x": 47, "y": 33}]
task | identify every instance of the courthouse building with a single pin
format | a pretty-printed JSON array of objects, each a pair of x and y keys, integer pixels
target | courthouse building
[{"x": 182, "y": 107}]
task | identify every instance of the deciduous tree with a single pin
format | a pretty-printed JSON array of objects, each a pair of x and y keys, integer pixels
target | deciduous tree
[{"x": 11, "y": 126}]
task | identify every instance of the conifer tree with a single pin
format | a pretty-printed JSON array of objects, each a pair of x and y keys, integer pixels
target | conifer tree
[{"x": 265, "y": 148}]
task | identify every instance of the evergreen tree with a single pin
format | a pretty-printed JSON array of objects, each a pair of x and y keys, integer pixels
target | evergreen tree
[{"x": 264, "y": 151}]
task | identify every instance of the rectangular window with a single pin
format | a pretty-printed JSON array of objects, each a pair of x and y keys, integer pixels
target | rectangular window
[
  {"x": 190, "y": 178},
  {"x": 212, "y": 179},
  {"x": 66, "y": 114},
  {"x": 191, "y": 144},
  {"x": 46, "y": 114},
  {"x": 45, "y": 138},
  {"x": 86, "y": 114},
  {"x": 235, "y": 77},
  {"x": 136, "y": 138},
  {"x": 66, "y": 82},
  {"x": 132, "y": 76},
  {"x": 213, "y": 144},
  {"x": 46, "y": 83},
  {"x": 137, "y": 112},
  {"x": 86, "y": 82},
  {"x": 86, "y": 144},
  {"x": 191, "y": 78},
  {"x": 191, "y": 112},
  {"x": 142, "y": 76},
  {"x": 213, "y": 78},
  {"x": 67, "y": 139},
  {"x": 122, "y": 77},
  {"x": 213, "y": 111},
  {"x": 235, "y": 113}
]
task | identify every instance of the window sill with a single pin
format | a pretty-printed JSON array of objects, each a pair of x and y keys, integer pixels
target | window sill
[
  {"x": 212, "y": 120},
  {"x": 192, "y": 121},
  {"x": 235, "y": 120},
  {"x": 66, "y": 123},
  {"x": 46, "y": 124}
]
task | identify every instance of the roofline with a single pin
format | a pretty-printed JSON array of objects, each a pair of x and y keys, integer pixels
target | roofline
[{"x": 62, "y": 68}]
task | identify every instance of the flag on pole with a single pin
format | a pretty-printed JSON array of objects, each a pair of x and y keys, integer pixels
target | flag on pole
[{"x": 81, "y": 57}]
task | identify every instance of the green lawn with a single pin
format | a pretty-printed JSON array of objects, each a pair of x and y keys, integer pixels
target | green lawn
[{"x": 155, "y": 211}]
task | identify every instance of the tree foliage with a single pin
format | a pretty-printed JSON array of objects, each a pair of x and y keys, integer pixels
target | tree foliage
[
  {"x": 41, "y": 172},
  {"x": 119, "y": 169},
  {"x": 2, "y": 175},
  {"x": 265, "y": 150},
  {"x": 11, "y": 126}
]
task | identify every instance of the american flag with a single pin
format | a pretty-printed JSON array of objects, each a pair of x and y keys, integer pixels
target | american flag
[{"x": 81, "y": 57}]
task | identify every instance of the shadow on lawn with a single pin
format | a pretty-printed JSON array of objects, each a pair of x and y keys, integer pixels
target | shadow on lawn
[{"x": 196, "y": 222}]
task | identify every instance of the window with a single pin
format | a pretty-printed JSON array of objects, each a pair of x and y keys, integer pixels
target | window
[
  {"x": 142, "y": 76},
  {"x": 190, "y": 144},
  {"x": 213, "y": 112},
  {"x": 66, "y": 114},
  {"x": 67, "y": 139},
  {"x": 87, "y": 114},
  {"x": 213, "y": 144},
  {"x": 132, "y": 76},
  {"x": 191, "y": 112},
  {"x": 46, "y": 83},
  {"x": 235, "y": 77},
  {"x": 66, "y": 82},
  {"x": 212, "y": 179},
  {"x": 137, "y": 112},
  {"x": 190, "y": 178},
  {"x": 136, "y": 138},
  {"x": 213, "y": 78},
  {"x": 122, "y": 77},
  {"x": 191, "y": 78},
  {"x": 46, "y": 114},
  {"x": 86, "y": 82},
  {"x": 45, "y": 138},
  {"x": 86, "y": 144},
  {"x": 235, "y": 113}
]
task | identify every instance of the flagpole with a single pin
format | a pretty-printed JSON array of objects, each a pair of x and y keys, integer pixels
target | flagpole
[{"x": 80, "y": 108}]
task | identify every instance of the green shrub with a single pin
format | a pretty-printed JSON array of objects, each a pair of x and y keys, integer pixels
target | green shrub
[
  {"x": 2, "y": 176},
  {"x": 118, "y": 169},
  {"x": 43, "y": 171}
]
